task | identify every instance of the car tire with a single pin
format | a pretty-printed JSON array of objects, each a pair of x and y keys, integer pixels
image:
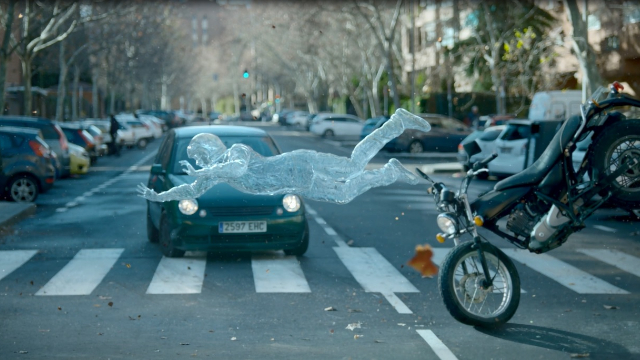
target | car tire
[
  {"x": 23, "y": 188},
  {"x": 142, "y": 143},
  {"x": 328, "y": 134},
  {"x": 304, "y": 245},
  {"x": 416, "y": 147},
  {"x": 167, "y": 246},
  {"x": 153, "y": 234}
]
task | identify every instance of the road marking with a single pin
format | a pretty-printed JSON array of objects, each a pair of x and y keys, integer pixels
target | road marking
[
  {"x": 330, "y": 231},
  {"x": 438, "y": 347},
  {"x": 10, "y": 260},
  {"x": 278, "y": 274},
  {"x": 310, "y": 210},
  {"x": 178, "y": 276},
  {"x": 605, "y": 228},
  {"x": 83, "y": 273},
  {"x": 563, "y": 273},
  {"x": 395, "y": 301},
  {"x": 622, "y": 261},
  {"x": 320, "y": 220},
  {"x": 375, "y": 273}
]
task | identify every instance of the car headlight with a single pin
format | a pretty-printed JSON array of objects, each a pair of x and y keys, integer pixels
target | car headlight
[
  {"x": 188, "y": 207},
  {"x": 447, "y": 223},
  {"x": 291, "y": 202}
]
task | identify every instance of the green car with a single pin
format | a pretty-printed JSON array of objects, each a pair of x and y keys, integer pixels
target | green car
[{"x": 223, "y": 219}]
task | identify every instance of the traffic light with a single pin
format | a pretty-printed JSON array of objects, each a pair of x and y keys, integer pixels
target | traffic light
[{"x": 245, "y": 74}]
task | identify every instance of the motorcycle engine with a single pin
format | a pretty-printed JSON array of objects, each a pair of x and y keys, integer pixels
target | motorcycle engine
[{"x": 522, "y": 220}]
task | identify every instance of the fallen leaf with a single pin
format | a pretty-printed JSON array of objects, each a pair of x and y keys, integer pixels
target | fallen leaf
[
  {"x": 378, "y": 341},
  {"x": 130, "y": 318},
  {"x": 273, "y": 26},
  {"x": 59, "y": 308},
  {"x": 330, "y": 308},
  {"x": 128, "y": 266},
  {"x": 212, "y": 331},
  {"x": 96, "y": 305},
  {"x": 184, "y": 343},
  {"x": 350, "y": 242},
  {"x": 331, "y": 331},
  {"x": 188, "y": 267},
  {"x": 306, "y": 339},
  {"x": 110, "y": 303},
  {"x": 23, "y": 352},
  {"x": 100, "y": 333},
  {"x": 267, "y": 270},
  {"x": 31, "y": 282},
  {"x": 401, "y": 324},
  {"x": 233, "y": 338},
  {"x": 354, "y": 326},
  {"x": 272, "y": 339},
  {"x": 138, "y": 316},
  {"x": 422, "y": 261},
  {"x": 355, "y": 310},
  {"x": 584, "y": 355},
  {"x": 356, "y": 337},
  {"x": 611, "y": 307},
  {"x": 104, "y": 297}
]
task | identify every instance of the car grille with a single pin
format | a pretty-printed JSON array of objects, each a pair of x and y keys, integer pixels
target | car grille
[{"x": 241, "y": 211}]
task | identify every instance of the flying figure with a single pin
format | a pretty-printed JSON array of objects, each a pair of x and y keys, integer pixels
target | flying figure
[{"x": 307, "y": 173}]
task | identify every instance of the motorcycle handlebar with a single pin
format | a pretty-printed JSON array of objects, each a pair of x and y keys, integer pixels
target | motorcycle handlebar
[{"x": 480, "y": 164}]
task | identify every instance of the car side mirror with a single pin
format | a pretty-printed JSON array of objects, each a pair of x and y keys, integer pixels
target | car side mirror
[
  {"x": 472, "y": 148},
  {"x": 156, "y": 169}
]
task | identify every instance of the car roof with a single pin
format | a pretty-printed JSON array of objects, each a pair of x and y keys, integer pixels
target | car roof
[
  {"x": 520, "y": 122},
  {"x": 17, "y": 130},
  {"x": 28, "y": 119},
  {"x": 219, "y": 130},
  {"x": 495, "y": 128}
]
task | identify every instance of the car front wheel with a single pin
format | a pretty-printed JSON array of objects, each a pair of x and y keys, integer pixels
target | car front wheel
[
  {"x": 23, "y": 188},
  {"x": 304, "y": 245},
  {"x": 416, "y": 147},
  {"x": 153, "y": 234},
  {"x": 167, "y": 246}
]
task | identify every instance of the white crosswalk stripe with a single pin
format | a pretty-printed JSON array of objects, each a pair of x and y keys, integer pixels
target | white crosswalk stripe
[
  {"x": 278, "y": 274},
  {"x": 12, "y": 259},
  {"x": 82, "y": 274},
  {"x": 563, "y": 273},
  {"x": 178, "y": 276},
  {"x": 616, "y": 258}
]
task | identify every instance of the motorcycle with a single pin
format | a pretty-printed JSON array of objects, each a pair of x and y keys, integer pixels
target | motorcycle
[{"x": 543, "y": 205}]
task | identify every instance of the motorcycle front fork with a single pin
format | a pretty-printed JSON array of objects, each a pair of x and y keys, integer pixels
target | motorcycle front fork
[{"x": 487, "y": 282}]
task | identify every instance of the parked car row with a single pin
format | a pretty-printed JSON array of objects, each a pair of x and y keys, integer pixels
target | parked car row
[{"x": 35, "y": 152}]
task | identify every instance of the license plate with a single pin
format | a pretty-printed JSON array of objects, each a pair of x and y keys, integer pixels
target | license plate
[
  {"x": 242, "y": 227},
  {"x": 505, "y": 150}
]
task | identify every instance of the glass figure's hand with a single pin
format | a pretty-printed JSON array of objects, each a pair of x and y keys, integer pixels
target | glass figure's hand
[
  {"x": 188, "y": 168},
  {"x": 147, "y": 193}
]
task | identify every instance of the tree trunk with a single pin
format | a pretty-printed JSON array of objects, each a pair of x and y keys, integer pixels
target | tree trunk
[
  {"x": 74, "y": 93},
  {"x": 61, "y": 81},
  {"x": 581, "y": 48},
  {"x": 26, "y": 79},
  {"x": 4, "y": 52},
  {"x": 394, "y": 85},
  {"x": 95, "y": 113},
  {"x": 112, "y": 100}
]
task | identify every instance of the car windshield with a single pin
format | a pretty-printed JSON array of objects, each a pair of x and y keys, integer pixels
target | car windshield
[
  {"x": 516, "y": 132},
  {"x": 262, "y": 145}
]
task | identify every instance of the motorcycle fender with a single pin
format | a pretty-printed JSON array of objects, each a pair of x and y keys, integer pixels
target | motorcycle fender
[{"x": 494, "y": 202}]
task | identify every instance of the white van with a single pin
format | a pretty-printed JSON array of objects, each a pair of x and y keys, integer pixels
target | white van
[{"x": 555, "y": 105}]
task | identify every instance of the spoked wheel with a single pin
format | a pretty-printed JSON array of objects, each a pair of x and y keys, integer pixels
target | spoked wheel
[
  {"x": 462, "y": 286},
  {"x": 23, "y": 188},
  {"x": 617, "y": 145}
]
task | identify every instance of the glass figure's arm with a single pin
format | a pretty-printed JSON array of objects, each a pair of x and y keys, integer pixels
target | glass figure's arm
[
  {"x": 236, "y": 165},
  {"x": 182, "y": 192}
]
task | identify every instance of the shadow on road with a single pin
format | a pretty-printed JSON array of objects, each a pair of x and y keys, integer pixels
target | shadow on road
[{"x": 559, "y": 340}]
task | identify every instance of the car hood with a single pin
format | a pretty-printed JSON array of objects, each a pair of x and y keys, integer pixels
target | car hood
[{"x": 225, "y": 195}]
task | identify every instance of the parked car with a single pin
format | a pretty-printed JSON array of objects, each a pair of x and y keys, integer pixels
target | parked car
[
  {"x": 26, "y": 167},
  {"x": 486, "y": 121},
  {"x": 220, "y": 219},
  {"x": 154, "y": 124},
  {"x": 98, "y": 136},
  {"x": 53, "y": 136},
  {"x": 80, "y": 160},
  {"x": 372, "y": 124},
  {"x": 81, "y": 137},
  {"x": 555, "y": 105},
  {"x": 340, "y": 125},
  {"x": 445, "y": 135},
  {"x": 486, "y": 140},
  {"x": 142, "y": 132},
  {"x": 298, "y": 118},
  {"x": 124, "y": 137},
  {"x": 166, "y": 116}
]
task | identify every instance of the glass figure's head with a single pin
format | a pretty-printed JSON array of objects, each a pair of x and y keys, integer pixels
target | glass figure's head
[{"x": 205, "y": 149}]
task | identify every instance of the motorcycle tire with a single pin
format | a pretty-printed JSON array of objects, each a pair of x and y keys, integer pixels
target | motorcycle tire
[
  {"x": 622, "y": 139},
  {"x": 460, "y": 279}
]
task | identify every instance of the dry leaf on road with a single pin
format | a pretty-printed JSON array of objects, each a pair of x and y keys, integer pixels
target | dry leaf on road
[
  {"x": 422, "y": 262},
  {"x": 354, "y": 326}
]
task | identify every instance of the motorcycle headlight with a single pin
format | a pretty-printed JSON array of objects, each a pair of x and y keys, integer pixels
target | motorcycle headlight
[
  {"x": 188, "y": 207},
  {"x": 447, "y": 223},
  {"x": 291, "y": 203}
]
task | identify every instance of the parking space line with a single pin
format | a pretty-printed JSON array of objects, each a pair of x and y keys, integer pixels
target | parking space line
[
  {"x": 438, "y": 347},
  {"x": 278, "y": 274},
  {"x": 604, "y": 228},
  {"x": 395, "y": 301},
  {"x": 82, "y": 274},
  {"x": 178, "y": 276},
  {"x": 10, "y": 260},
  {"x": 622, "y": 261}
]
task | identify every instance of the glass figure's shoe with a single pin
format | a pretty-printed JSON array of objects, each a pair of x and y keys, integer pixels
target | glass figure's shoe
[
  {"x": 411, "y": 121},
  {"x": 402, "y": 173}
]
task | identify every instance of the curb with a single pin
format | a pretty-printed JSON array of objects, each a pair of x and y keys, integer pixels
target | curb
[{"x": 13, "y": 213}]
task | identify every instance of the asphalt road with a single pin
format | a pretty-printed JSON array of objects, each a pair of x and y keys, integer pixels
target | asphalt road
[{"x": 77, "y": 280}]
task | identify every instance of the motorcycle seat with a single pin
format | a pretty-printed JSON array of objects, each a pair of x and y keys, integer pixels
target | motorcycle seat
[{"x": 535, "y": 173}]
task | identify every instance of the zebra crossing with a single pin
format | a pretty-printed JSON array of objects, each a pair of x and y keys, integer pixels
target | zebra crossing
[{"x": 277, "y": 273}]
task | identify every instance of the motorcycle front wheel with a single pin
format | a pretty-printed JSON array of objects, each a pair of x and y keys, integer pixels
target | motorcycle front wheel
[{"x": 461, "y": 281}]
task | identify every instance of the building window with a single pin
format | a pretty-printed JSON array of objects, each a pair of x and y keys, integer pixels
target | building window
[{"x": 205, "y": 30}]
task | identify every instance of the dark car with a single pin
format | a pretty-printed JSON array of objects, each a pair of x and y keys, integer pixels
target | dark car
[
  {"x": 53, "y": 136},
  {"x": 76, "y": 134},
  {"x": 220, "y": 219},
  {"x": 372, "y": 124},
  {"x": 445, "y": 135},
  {"x": 26, "y": 167}
]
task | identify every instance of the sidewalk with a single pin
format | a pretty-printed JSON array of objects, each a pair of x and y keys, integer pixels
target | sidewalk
[{"x": 11, "y": 212}]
